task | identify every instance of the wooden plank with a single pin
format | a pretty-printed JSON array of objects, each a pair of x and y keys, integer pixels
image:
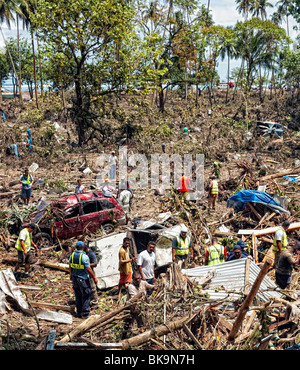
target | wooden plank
[
  {"x": 254, "y": 210},
  {"x": 249, "y": 322},
  {"x": 246, "y": 290},
  {"x": 77, "y": 345},
  {"x": 189, "y": 333},
  {"x": 28, "y": 287},
  {"x": 269, "y": 230},
  {"x": 51, "y": 306},
  {"x": 276, "y": 325}
]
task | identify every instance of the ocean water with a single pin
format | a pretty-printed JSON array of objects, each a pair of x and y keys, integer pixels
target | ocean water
[{"x": 8, "y": 86}]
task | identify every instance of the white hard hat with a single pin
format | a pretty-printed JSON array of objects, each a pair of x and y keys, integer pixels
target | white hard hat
[{"x": 184, "y": 229}]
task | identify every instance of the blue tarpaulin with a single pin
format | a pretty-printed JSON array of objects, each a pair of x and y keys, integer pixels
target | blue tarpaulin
[{"x": 239, "y": 200}]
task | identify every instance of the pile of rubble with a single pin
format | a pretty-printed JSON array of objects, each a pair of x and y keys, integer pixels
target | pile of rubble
[{"x": 233, "y": 305}]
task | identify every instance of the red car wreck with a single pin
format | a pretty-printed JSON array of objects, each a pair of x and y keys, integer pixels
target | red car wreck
[{"x": 78, "y": 213}]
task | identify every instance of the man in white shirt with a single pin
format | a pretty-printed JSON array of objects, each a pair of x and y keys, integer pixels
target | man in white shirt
[
  {"x": 124, "y": 200},
  {"x": 79, "y": 188},
  {"x": 113, "y": 161},
  {"x": 146, "y": 263}
]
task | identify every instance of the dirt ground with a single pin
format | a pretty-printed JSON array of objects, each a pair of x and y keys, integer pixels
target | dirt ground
[{"x": 218, "y": 138}]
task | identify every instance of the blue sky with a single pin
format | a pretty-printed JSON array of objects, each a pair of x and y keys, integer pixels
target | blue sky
[{"x": 223, "y": 11}]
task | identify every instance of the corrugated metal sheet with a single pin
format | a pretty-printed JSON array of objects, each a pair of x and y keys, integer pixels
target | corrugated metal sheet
[{"x": 232, "y": 276}]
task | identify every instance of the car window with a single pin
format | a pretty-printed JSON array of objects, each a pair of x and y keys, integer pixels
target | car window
[
  {"x": 72, "y": 212},
  {"x": 105, "y": 204},
  {"x": 89, "y": 207}
]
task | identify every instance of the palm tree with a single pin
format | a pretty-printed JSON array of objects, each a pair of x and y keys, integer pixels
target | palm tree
[
  {"x": 228, "y": 48},
  {"x": 7, "y": 10},
  {"x": 283, "y": 9},
  {"x": 259, "y": 8},
  {"x": 27, "y": 6},
  {"x": 243, "y": 7},
  {"x": 276, "y": 18}
]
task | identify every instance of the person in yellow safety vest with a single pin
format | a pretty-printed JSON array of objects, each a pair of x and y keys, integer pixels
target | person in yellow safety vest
[
  {"x": 280, "y": 241},
  {"x": 215, "y": 254},
  {"x": 213, "y": 193},
  {"x": 182, "y": 247},
  {"x": 23, "y": 245},
  {"x": 80, "y": 274},
  {"x": 26, "y": 180}
]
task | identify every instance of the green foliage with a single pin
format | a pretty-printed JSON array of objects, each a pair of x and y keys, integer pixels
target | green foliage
[
  {"x": 48, "y": 132},
  {"x": 60, "y": 184},
  {"x": 4, "y": 68},
  {"x": 291, "y": 63},
  {"x": 34, "y": 116}
]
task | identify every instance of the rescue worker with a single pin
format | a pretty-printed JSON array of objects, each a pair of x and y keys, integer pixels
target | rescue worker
[
  {"x": 27, "y": 181},
  {"x": 80, "y": 274},
  {"x": 215, "y": 254},
  {"x": 280, "y": 241},
  {"x": 184, "y": 184},
  {"x": 181, "y": 247},
  {"x": 213, "y": 193},
  {"x": 23, "y": 245}
]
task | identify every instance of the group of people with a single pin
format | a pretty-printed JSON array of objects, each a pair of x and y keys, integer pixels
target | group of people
[
  {"x": 286, "y": 257},
  {"x": 216, "y": 253},
  {"x": 137, "y": 274},
  {"x": 213, "y": 190}
]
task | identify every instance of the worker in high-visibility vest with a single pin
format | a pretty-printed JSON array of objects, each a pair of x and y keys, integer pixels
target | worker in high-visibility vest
[
  {"x": 23, "y": 245},
  {"x": 182, "y": 248},
  {"x": 280, "y": 240},
  {"x": 80, "y": 274},
  {"x": 26, "y": 180},
  {"x": 184, "y": 187},
  {"x": 213, "y": 193},
  {"x": 215, "y": 253}
]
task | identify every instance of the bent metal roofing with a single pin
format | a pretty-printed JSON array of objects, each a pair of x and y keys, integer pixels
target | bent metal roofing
[{"x": 234, "y": 277}]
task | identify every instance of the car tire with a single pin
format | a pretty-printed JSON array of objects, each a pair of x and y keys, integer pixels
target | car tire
[
  {"x": 108, "y": 227},
  {"x": 43, "y": 240}
]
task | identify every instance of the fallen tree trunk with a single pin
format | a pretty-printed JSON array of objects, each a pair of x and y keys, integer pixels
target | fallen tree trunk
[
  {"x": 57, "y": 266},
  {"x": 247, "y": 302},
  {"x": 96, "y": 320},
  {"x": 280, "y": 174},
  {"x": 153, "y": 333},
  {"x": 7, "y": 194}
]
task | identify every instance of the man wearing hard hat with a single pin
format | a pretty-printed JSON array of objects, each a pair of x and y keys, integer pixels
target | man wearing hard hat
[{"x": 181, "y": 247}]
